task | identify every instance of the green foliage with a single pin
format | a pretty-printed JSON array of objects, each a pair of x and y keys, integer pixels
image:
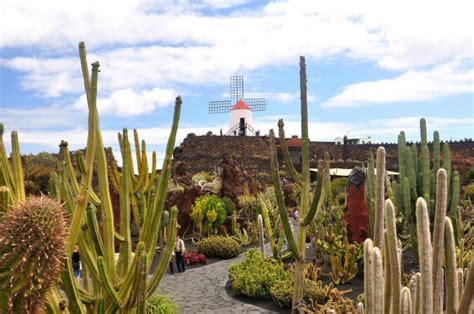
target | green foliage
[
  {"x": 208, "y": 213},
  {"x": 160, "y": 304},
  {"x": 469, "y": 191},
  {"x": 338, "y": 186},
  {"x": 470, "y": 175},
  {"x": 229, "y": 206},
  {"x": 209, "y": 133},
  {"x": 249, "y": 205},
  {"x": 282, "y": 292},
  {"x": 255, "y": 275},
  {"x": 219, "y": 246}
]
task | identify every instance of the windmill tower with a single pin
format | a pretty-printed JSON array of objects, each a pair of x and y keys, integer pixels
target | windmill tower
[{"x": 239, "y": 109}]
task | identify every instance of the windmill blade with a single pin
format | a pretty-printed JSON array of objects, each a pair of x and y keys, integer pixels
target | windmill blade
[
  {"x": 219, "y": 106},
  {"x": 236, "y": 87},
  {"x": 256, "y": 104}
]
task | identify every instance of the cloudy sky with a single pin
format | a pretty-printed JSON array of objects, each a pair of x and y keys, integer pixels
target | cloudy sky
[{"x": 374, "y": 67}]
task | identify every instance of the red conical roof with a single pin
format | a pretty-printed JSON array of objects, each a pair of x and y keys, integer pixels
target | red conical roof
[{"x": 240, "y": 105}]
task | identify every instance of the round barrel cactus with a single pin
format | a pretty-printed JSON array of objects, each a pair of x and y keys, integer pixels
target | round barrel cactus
[{"x": 32, "y": 244}]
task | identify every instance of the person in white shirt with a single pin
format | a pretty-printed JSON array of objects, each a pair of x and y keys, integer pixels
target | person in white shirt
[{"x": 179, "y": 250}]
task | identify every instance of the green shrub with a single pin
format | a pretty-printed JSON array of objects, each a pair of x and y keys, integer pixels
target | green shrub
[
  {"x": 341, "y": 198},
  {"x": 255, "y": 275},
  {"x": 469, "y": 191},
  {"x": 219, "y": 246},
  {"x": 338, "y": 186},
  {"x": 208, "y": 213},
  {"x": 229, "y": 206},
  {"x": 282, "y": 292},
  {"x": 160, "y": 304}
]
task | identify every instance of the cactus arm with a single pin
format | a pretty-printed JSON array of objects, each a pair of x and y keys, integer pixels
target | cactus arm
[
  {"x": 406, "y": 306},
  {"x": 455, "y": 188},
  {"x": 377, "y": 274},
  {"x": 153, "y": 216},
  {"x": 368, "y": 276},
  {"x": 69, "y": 286},
  {"x": 91, "y": 146},
  {"x": 452, "y": 292},
  {"x": 164, "y": 261},
  {"x": 279, "y": 197},
  {"x": 136, "y": 141},
  {"x": 402, "y": 155},
  {"x": 268, "y": 226},
  {"x": 468, "y": 292},
  {"x": 94, "y": 230},
  {"x": 153, "y": 173},
  {"x": 125, "y": 246},
  {"x": 17, "y": 167},
  {"x": 105, "y": 204},
  {"x": 436, "y": 152},
  {"x": 379, "y": 197},
  {"x": 69, "y": 169},
  {"x": 107, "y": 284},
  {"x": 318, "y": 198},
  {"x": 4, "y": 199},
  {"x": 395, "y": 270},
  {"x": 143, "y": 171},
  {"x": 447, "y": 162},
  {"x": 387, "y": 274},
  {"x": 424, "y": 254},
  {"x": 438, "y": 239},
  {"x": 6, "y": 177},
  {"x": 286, "y": 154},
  {"x": 261, "y": 235}
]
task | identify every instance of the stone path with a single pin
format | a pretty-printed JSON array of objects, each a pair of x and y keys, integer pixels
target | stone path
[{"x": 202, "y": 290}]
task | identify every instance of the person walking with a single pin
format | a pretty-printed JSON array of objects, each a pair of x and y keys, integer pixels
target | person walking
[
  {"x": 76, "y": 263},
  {"x": 179, "y": 250}
]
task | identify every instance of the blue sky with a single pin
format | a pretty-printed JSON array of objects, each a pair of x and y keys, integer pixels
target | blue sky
[{"x": 373, "y": 68}]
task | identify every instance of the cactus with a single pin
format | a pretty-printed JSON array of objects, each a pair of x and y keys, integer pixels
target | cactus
[
  {"x": 307, "y": 211},
  {"x": 393, "y": 258},
  {"x": 379, "y": 197},
  {"x": 406, "y": 306},
  {"x": 32, "y": 242},
  {"x": 261, "y": 235},
  {"x": 452, "y": 286},
  {"x": 4, "y": 199},
  {"x": 438, "y": 239},
  {"x": 109, "y": 285}
]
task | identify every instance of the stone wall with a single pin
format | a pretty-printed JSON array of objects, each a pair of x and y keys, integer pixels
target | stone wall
[{"x": 204, "y": 153}]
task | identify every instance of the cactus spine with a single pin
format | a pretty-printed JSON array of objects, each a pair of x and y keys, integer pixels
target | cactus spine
[
  {"x": 307, "y": 212},
  {"x": 378, "y": 280},
  {"x": 368, "y": 275}
]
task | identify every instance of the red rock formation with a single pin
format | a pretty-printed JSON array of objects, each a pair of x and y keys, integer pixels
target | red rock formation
[{"x": 357, "y": 215}]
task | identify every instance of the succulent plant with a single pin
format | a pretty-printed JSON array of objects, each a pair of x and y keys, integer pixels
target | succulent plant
[{"x": 32, "y": 244}]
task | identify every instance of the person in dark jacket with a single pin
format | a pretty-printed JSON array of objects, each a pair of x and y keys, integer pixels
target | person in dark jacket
[{"x": 76, "y": 263}]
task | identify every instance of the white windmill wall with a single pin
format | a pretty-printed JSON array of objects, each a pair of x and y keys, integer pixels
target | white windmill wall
[{"x": 236, "y": 114}]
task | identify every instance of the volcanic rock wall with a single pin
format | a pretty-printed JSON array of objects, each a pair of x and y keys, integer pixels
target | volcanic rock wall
[{"x": 204, "y": 153}]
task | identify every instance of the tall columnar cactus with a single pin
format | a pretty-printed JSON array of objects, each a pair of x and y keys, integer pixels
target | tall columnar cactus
[
  {"x": 307, "y": 211},
  {"x": 393, "y": 258},
  {"x": 421, "y": 177},
  {"x": 261, "y": 235},
  {"x": 110, "y": 283},
  {"x": 11, "y": 171},
  {"x": 379, "y": 197},
  {"x": 32, "y": 243},
  {"x": 438, "y": 239}
]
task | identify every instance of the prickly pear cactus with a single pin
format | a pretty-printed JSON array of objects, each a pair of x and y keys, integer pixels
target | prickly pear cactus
[{"x": 32, "y": 242}]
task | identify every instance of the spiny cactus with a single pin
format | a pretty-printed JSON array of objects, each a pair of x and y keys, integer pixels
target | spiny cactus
[
  {"x": 32, "y": 243},
  {"x": 110, "y": 284}
]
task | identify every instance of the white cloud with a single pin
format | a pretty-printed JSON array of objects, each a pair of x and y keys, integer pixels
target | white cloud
[
  {"x": 47, "y": 117},
  {"x": 127, "y": 102},
  {"x": 447, "y": 79}
]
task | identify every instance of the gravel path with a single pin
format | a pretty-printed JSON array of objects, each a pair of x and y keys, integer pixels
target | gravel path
[{"x": 202, "y": 290}]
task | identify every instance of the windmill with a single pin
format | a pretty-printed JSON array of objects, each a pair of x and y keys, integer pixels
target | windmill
[{"x": 239, "y": 108}]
